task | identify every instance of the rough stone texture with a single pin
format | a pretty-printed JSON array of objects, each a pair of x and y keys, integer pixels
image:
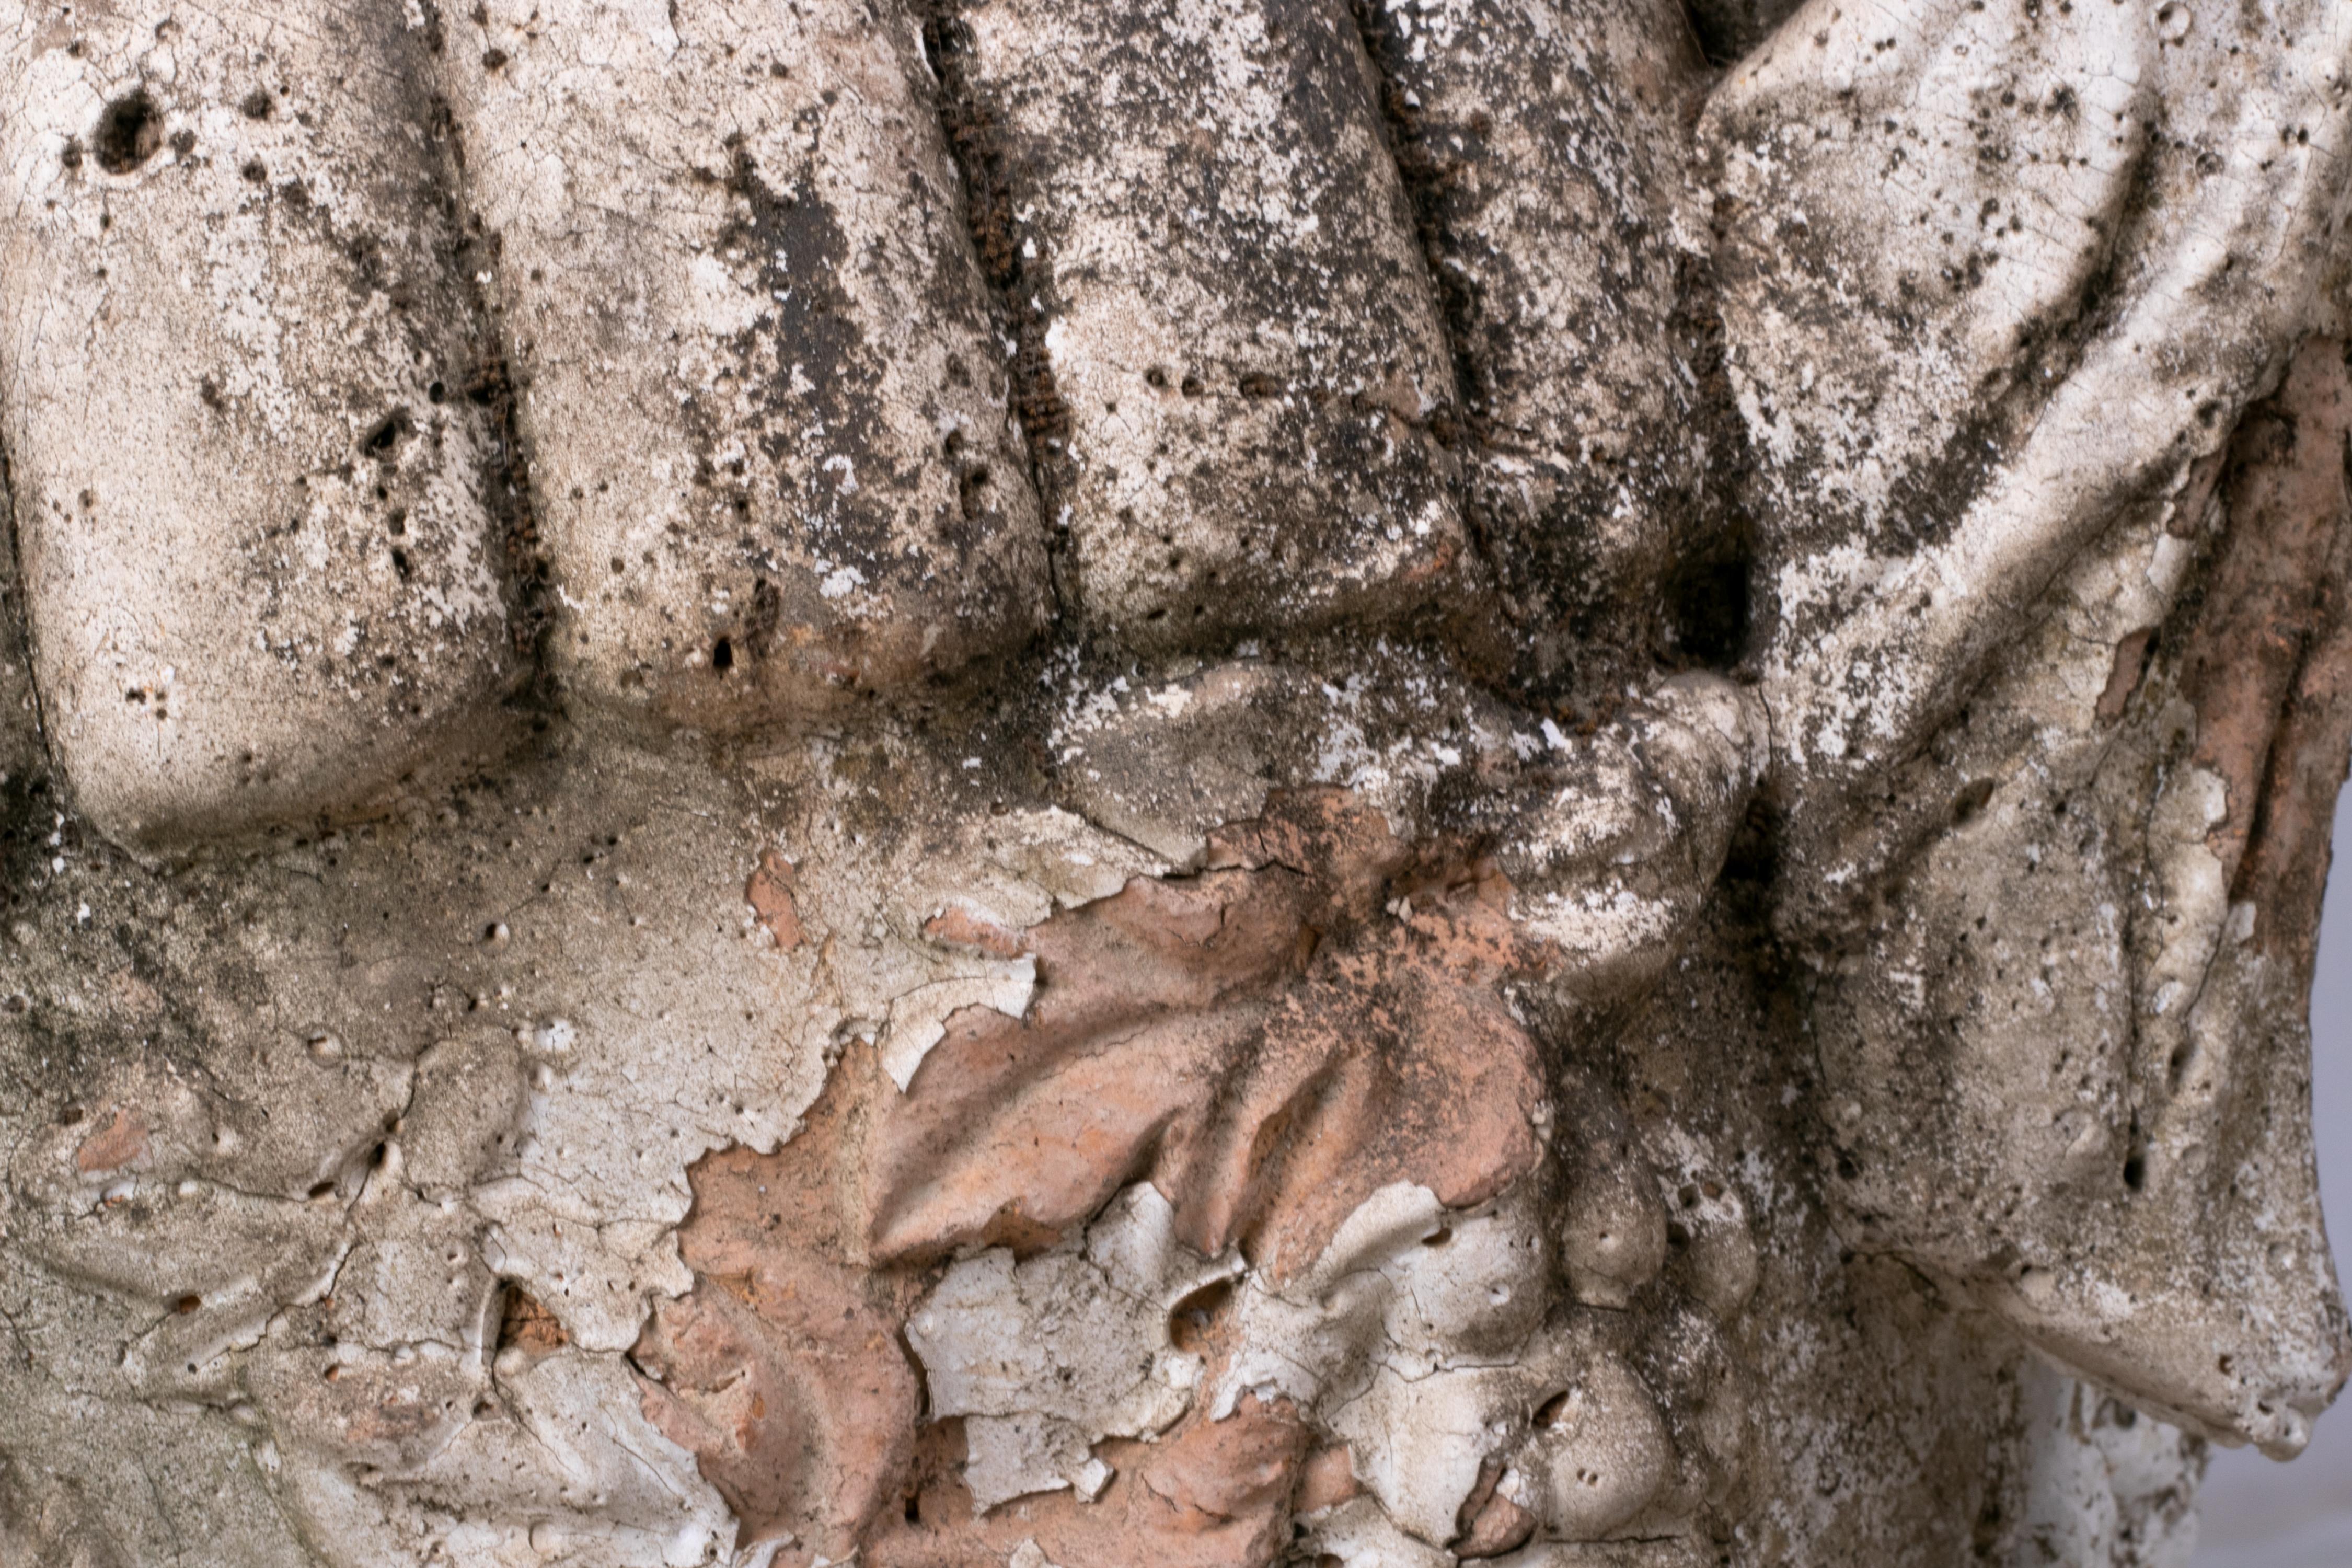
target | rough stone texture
[
  {"x": 1427, "y": 782},
  {"x": 253, "y": 513},
  {"x": 1229, "y": 346},
  {"x": 769, "y": 445},
  {"x": 1990, "y": 508},
  {"x": 1546, "y": 146}
]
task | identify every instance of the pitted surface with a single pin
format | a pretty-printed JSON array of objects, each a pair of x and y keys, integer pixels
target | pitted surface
[
  {"x": 769, "y": 441},
  {"x": 1002, "y": 782},
  {"x": 256, "y": 527},
  {"x": 1234, "y": 361}
]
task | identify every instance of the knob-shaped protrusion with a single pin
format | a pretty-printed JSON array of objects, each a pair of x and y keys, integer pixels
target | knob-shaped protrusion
[
  {"x": 765, "y": 411},
  {"x": 249, "y": 492}
]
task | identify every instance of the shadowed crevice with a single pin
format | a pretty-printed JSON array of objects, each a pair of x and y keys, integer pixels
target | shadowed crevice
[
  {"x": 1017, "y": 273},
  {"x": 507, "y": 494}
]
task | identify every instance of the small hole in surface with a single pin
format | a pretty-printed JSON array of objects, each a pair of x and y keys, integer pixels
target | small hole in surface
[
  {"x": 2136, "y": 1171},
  {"x": 256, "y": 105},
  {"x": 723, "y": 655},
  {"x": 1189, "y": 1320},
  {"x": 387, "y": 433},
  {"x": 129, "y": 133}
]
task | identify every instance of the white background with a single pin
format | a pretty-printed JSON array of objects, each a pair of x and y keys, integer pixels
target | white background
[{"x": 2263, "y": 1515}]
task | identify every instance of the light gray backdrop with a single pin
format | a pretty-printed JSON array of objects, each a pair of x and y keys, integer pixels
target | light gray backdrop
[{"x": 2259, "y": 1514}]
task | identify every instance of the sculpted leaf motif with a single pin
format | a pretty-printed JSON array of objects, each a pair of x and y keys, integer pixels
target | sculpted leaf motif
[
  {"x": 1311, "y": 1019},
  {"x": 790, "y": 1391},
  {"x": 781, "y": 1371}
]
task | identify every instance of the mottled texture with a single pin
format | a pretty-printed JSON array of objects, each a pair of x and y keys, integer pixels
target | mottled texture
[
  {"x": 1231, "y": 357},
  {"x": 1464, "y": 780},
  {"x": 766, "y": 425},
  {"x": 1545, "y": 146},
  {"x": 255, "y": 516},
  {"x": 1994, "y": 505}
]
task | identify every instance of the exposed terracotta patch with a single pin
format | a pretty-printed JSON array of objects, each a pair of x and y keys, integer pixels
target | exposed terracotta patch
[
  {"x": 380, "y": 1413},
  {"x": 781, "y": 1371},
  {"x": 1206, "y": 1494},
  {"x": 1497, "y": 1524},
  {"x": 2273, "y": 600},
  {"x": 529, "y": 1326},
  {"x": 1269, "y": 1042},
  {"x": 791, "y": 1391},
  {"x": 123, "y": 1140},
  {"x": 1326, "y": 1480},
  {"x": 1265, "y": 1042},
  {"x": 769, "y": 894},
  {"x": 2286, "y": 867},
  {"x": 958, "y": 926}
]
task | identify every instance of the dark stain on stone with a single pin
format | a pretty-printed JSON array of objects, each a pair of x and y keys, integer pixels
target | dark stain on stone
[{"x": 130, "y": 132}]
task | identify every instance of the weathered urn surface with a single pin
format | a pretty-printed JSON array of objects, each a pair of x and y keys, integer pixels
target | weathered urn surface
[{"x": 1211, "y": 783}]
